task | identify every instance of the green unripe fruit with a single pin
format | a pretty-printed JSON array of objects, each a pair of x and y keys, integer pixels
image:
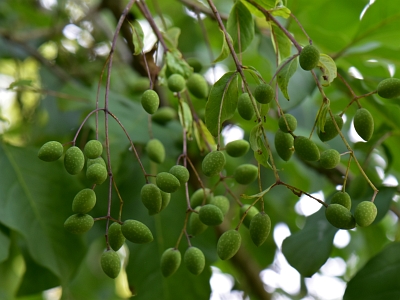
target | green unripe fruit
[
  {"x": 51, "y": 151},
  {"x": 237, "y": 148},
  {"x": 291, "y": 121},
  {"x": 309, "y": 57},
  {"x": 221, "y": 202},
  {"x": 195, "y": 225},
  {"x": 176, "y": 83},
  {"x": 78, "y": 223},
  {"x": 74, "y": 160},
  {"x": 284, "y": 144},
  {"x": 342, "y": 198},
  {"x": 365, "y": 213},
  {"x": 246, "y": 173},
  {"x": 340, "y": 217},
  {"x": 250, "y": 214},
  {"x": 151, "y": 198},
  {"x": 195, "y": 64},
  {"x": 84, "y": 201},
  {"x": 228, "y": 244},
  {"x": 197, "y": 86},
  {"x": 211, "y": 215},
  {"x": 110, "y": 263},
  {"x": 194, "y": 260},
  {"x": 213, "y": 163},
  {"x": 260, "y": 226},
  {"x": 264, "y": 93},
  {"x": 329, "y": 159},
  {"x": 163, "y": 115},
  {"x": 245, "y": 107},
  {"x": 199, "y": 196},
  {"x": 115, "y": 237},
  {"x": 364, "y": 124},
  {"x": 93, "y": 149},
  {"x": 150, "y": 101},
  {"x": 389, "y": 88},
  {"x": 167, "y": 182},
  {"x": 136, "y": 232},
  {"x": 357, "y": 187},
  {"x": 180, "y": 172},
  {"x": 155, "y": 150},
  {"x": 98, "y": 160},
  {"x": 306, "y": 149},
  {"x": 330, "y": 130},
  {"x": 170, "y": 261},
  {"x": 140, "y": 85},
  {"x": 96, "y": 173},
  {"x": 166, "y": 198}
]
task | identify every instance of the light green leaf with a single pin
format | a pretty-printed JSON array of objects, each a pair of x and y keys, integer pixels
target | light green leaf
[
  {"x": 256, "y": 196},
  {"x": 240, "y": 26},
  {"x": 281, "y": 11},
  {"x": 261, "y": 155},
  {"x": 185, "y": 117},
  {"x": 225, "y": 48},
  {"x": 21, "y": 82},
  {"x": 171, "y": 37},
  {"x": 281, "y": 42},
  {"x": 137, "y": 37},
  {"x": 4, "y": 246},
  {"x": 254, "y": 73},
  {"x": 203, "y": 136},
  {"x": 328, "y": 67},
  {"x": 255, "y": 135},
  {"x": 321, "y": 116},
  {"x": 177, "y": 65},
  {"x": 222, "y": 101},
  {"x": 287, "y": 71}
]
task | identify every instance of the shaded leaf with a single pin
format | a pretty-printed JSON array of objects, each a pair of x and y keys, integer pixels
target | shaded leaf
[
  {"x": 137, "y": 37},
  {"x": 203, "y": 136},
  {"x": 4, "y": 246},
  {"x": 172, "y": 37},
  {"x": 281, "y": 42},
  {"x": 225, "y": 48},
  {"x": 240, "y": 26},
  {"x": 255, "y": 135},
  {"x": 177, "y": 65},
  {"x": 287, "y": 71},
  {"x": 261, "y": 155},
  {"x": 185, "y": 117}
]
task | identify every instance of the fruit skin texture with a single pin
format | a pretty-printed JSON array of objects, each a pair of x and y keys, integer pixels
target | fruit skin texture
[
  {"x": 306, "y": 148},
  {"x": 211, "y": 215},
  {"x": 260, "y": 226},
  {"x": 176, "y": 83},
  {"x": 329, "y": 159},
  {"x": 74, "y": 160},
  {"x": 340, "y": 217},
  {"x": 309, "y": 57},
  {"x": 195, "y": 225},
  {"x": 151, "y": 198},
  {"x": 170, "y": 261},
  {"x": 197, "y": 197},
  {"x": 389, "y": 88},
  {"x": 194, "y": 260},
  {"x": 93, "y": 149},
  {"x": 163, "y": 115},
  {"x": 84, "y": 201},
  {"x": 283, "y": 144},
  {"x": 167, "y": 182},
  {"x": 250, "y": 214},
  {"x": 115, "y": 237},
  {"x": 213, "y": 163},
  {"x": 365, "y": 213},
  {"x": 228, "y": 244},
  {"x": 156, "y": 151},
  {"x": 246, "y": 173},
  {"x": 136, "y": 232},
  {"x": 221, "y": 202},
  {"x": 181, "y": 173},
  {"x": 342, "y": 198},
  {"x": 78, "y": 223},
  {"x": 197, "y": 86},
  {"x": 364, "y": 124},
  {"x": 291, "y": 121},
  {"x": 110, "y": 263},
  {"x": 51, "y": 151},
  {"x": 96, "y": 173},
  {"x": 237, "y": 148},
  {"x": 244, "y": 107},
  {"x": 98, "y": 160},
  {"x": 150, "y": 101},
  {"x": 264, "y": 93},
  {"x": 330, "y": 129}
]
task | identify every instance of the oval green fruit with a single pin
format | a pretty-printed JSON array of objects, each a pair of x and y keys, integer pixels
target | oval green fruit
[
  {"x": 164, "y": 115},
  {"x": 260, "y": 226},
  {"x": 84, "y": 201},
  {"x": 195, "y": 64},
  {"x": 136, "y": 232},
  {"x": 245, "y": 174},
  {"x": 74, "y": 160},
  {"x": 339, "y": 216},
  {"x": 213, "y": 163},
  {"x": 250, "y": 214},
  {"x": 167, "y": 182},
  {"x": 93, "y": 149},
  {"x": 170, "y": 261},
  {"x": 228, "y": 244},
  {"x": 329, "y": 159},
  {"x": 180, "y": 172},
  {"x": 306, "y": 149},
  {"x": 237, "y": 148},
  {"x": 156, "y": 151},
  {"x": 195, "y": 225},
  {"x": 330, "y": 131},
  {"x": 51, "y": 151},
  {"x": 98, "y": 160},
  {"x": 264, "y": 93},
  {"x": 110, "y": 263},
  {"x": 200, "y": 197},
  {"x": 211, "y": 215},
  {"x": 284, "y": 144},
  {"x": 96, "y": 173},
  {"x": 221, "y": 202},
  {"x": 151, "y": 198},
  {"x": 115, "y": 237},
  {"x": 194, "y": 260},
  {"x": 176, "y": 83},
  {"x": 309, "y": 57},
  {"x": 197, "y": 86},
  {"x": 365, "y": 213},
  {"x": 389, "y": 88},
  {"x": 291, "y": 123},
  {"x": 342, "y": 198},
  {"x": 364, "y": 123},
  {"x": 150, "y": 101},
  {"x": 245, "y": 107},
  {"x": 79, "y": 223}
]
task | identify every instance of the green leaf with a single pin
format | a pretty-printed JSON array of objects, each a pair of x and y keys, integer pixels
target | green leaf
[
  {"x": 256, "y": 196},
  {"x": 21, "y": 82},
  {"x": 177, "y": 65},
  {"x": 281, "y": 42},
  {"x": 203, "y": 136},
  {"x": 222, "y": 101},
  {"x": 287, "y": 71},
  {"x": 328, "y": 67},
  {"x": 261, "y": 155},
  {"x": 225, "y": 48},
  {"x": 171, "y": 37},
  {"x": 281, "y": 11},
  {"x": 137, "y": 37},
  {"x": 240, "y": 26},
  {"x": 379, "y": 278},
  {"x": 254, "y": 73},
  {"x": 255, "y": 135},
  {"x": 185, "y": 117},
  {"x": 4, "y": 246},
  {"x": 308, "y": 249}
]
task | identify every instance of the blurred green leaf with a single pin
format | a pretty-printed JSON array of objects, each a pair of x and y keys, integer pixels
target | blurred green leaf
[
  {"x": 289, "y": 67},
  {"x": 137, "y": 37}
]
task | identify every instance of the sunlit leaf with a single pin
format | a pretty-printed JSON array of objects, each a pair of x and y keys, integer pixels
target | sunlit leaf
[
  {"x": 137, "y": 37},
  {"x": 328, "y": 67}
]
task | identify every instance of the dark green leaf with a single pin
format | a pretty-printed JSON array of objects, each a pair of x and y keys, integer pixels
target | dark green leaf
[
  {"x": 4, "y": 246},
  {"x": 240, "y": 26}
]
